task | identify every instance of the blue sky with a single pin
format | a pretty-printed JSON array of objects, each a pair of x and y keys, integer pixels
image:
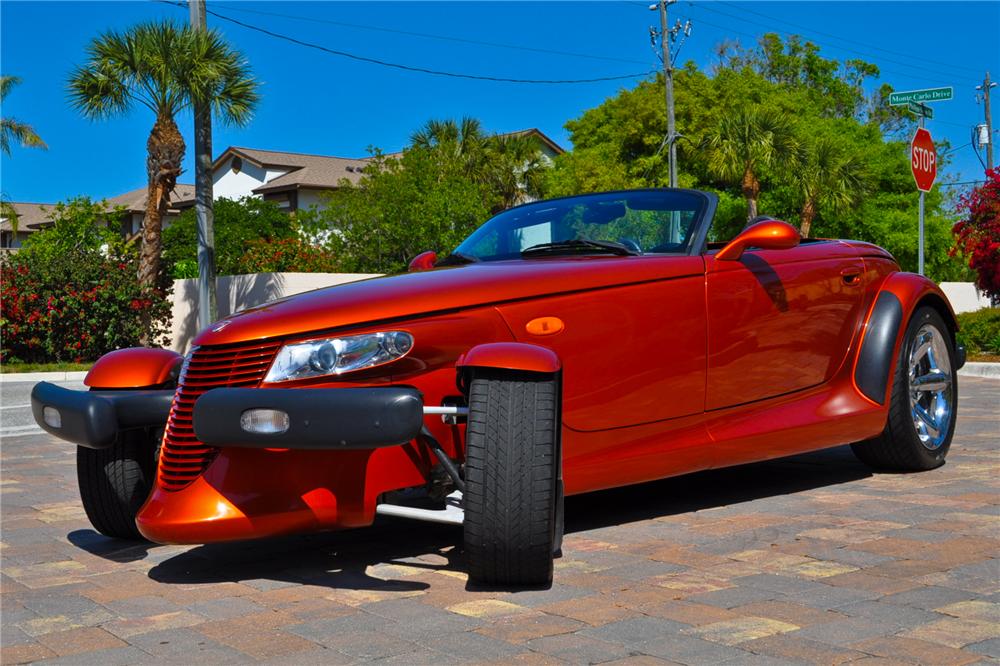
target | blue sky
[{"x": 318, "y": 103}]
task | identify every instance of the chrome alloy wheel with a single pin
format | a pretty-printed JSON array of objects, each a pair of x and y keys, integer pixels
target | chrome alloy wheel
[{"x": 930, "y": 382}]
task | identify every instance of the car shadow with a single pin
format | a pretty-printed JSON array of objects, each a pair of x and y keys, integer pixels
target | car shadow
[{"x": 344, "y": 560}]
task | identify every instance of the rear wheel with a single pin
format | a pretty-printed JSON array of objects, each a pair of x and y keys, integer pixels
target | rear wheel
[
  {"x": 115, "y": 482},
  {"x": 924, "y": 400},
  {"x": 512, "y": 478}
]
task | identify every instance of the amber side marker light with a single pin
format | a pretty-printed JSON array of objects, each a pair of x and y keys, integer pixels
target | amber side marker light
[{"x": 545, "y": 326}]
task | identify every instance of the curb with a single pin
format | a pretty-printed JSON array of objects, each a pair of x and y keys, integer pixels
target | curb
[
  {"x": 987, "y": 370},
  {"x": 15, "y": 377}
]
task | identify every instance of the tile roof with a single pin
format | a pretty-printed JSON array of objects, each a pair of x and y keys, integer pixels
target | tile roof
[
  {"x": 30, "y": 216},
  {"x": 135, "y": 200}
]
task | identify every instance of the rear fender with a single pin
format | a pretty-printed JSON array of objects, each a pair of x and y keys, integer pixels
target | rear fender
[
  {"x": 520, "y": 356},
  {"x": 135, "y": 367},
  {"x": 899, "y": 296}
]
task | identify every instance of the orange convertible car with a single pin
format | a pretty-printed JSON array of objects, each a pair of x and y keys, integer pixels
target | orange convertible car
[{"x": 566, "y": 346}]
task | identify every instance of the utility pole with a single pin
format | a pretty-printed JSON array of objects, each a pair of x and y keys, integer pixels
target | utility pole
[
  {"x": 207, "y": 312},
  {"x": 668, "y": 76},
  {"x": 985, "y": 88}
]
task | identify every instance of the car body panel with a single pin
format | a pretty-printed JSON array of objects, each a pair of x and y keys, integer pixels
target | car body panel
[
  {"x": 607, "y": 329},
  {"x": 780, "y": 320}
]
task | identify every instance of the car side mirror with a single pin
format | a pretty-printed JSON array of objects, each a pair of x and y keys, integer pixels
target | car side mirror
[
  {"x": 767, "y": 235},
  {"x": 423, "y": 261}
]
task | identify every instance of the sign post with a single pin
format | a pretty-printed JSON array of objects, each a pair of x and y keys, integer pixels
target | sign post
[
  {"x": 923, "y": 155},
  {"x": 923, "y": 164}
]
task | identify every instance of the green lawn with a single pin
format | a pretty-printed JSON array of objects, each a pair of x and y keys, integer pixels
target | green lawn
[{"x": 6, "y": 368}]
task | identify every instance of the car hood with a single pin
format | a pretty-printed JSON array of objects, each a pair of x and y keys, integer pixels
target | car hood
[{"x": 414, "y": 294}]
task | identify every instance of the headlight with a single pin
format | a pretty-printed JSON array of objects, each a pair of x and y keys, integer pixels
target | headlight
[{"x": 335, "y": 356}]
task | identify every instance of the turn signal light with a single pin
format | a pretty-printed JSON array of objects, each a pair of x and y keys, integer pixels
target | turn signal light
[
  {"x": 545, "y": 326},
  {"x": 52, "y": 417},
  {"x": 261, "y": 421}
]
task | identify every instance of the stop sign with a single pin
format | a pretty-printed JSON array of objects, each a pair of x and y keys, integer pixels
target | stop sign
[{"x": 923, "y": 160}]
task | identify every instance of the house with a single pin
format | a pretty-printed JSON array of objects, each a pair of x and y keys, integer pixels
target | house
[
  {"x": 296, "y": 181},
  {"x": 34, "y": 216},
  {"x": 134, "y": 203},
  {"x": 30, "y": 218}
]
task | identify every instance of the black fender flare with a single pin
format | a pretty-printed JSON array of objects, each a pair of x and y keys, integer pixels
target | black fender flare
[{"x": 874, "y": 364}]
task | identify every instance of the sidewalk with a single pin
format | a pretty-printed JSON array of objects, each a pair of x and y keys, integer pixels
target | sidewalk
[{"x": 14, "y": 377}]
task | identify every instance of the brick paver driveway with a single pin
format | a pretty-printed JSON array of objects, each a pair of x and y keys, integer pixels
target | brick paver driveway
[{"x": 810, "y": 559}]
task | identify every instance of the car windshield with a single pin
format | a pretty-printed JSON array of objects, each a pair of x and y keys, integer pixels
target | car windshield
[{"x": 615, "y": 223}]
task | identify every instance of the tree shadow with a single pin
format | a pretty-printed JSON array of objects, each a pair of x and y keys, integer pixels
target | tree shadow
[
  {"x": 341, "y": 560},
  {"x": 233, "y": 293}
]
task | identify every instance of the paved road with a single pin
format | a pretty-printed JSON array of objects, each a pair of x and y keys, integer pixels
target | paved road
[
  {"x": 15, "y": 408},
  {"x": 807, "y": 560}
]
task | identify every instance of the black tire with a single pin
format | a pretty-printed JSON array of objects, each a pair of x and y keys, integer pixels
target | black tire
[
  {"x": 114, "y": 482},
  {"x": 898, "y": 447},
  {"x": 512, "y": 478}
]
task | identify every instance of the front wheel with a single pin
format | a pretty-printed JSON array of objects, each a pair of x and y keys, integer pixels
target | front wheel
[
  {"x": 115, "y": 482},
  {"x": 924, "y": 401},
  {"x": 512, "y": 478}
]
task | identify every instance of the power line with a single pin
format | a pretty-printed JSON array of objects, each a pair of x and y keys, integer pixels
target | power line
[
  {"x": 844, "y": 39},
  {"x": 413, "y": 68},
  {"x": 729, "y": 30},
  {"x": 949, "y": 75},
  {"x": 425, "y": 35}
]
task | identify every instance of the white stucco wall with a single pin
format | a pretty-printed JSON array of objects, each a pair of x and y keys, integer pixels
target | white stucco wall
[
  {"x": 238, "y": 292},
  {"x": 310, "y": 198},
  {"x": 229, "y": 185},
  {"x": 964, "y": 296}
]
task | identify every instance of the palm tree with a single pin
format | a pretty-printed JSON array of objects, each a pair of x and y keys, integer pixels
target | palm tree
[
  {"x": 514, "y": 167},
  {"x": 747, "y": 142},
  {"x": 463, "y": 139},
  {"x": 509, "y": 165},
  {"x": 12, "y": 131},
  {"x": 827, "y": 176},
  {"x": 167, "y": 68}
]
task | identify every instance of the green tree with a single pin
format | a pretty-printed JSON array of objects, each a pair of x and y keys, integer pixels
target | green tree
[
  {"x": 422, "y": 200},
  {"x": 11, "y": 130},
  {"x": 166, "y": 68},
  {"x": 510, "y": 165},
  {"x": 747, "y": 142},
  {"x": 237, "y": 225},
  {"x": 827, "y": 175}
]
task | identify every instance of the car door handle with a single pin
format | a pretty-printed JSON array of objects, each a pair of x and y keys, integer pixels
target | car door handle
[{"x": 851, "y": 276}]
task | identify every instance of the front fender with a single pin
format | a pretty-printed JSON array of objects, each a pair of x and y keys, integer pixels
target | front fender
[
  {"x": 899, "y": 296},
  {"x": 511, "y": 356},
  {"x": 135, "y": 367}
]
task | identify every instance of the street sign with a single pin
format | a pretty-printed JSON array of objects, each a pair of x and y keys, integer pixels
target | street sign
[
  {"x": 921, "y": 110},
  {"x": 923, "y": 160},
  {"x": 928, "y": 95}
]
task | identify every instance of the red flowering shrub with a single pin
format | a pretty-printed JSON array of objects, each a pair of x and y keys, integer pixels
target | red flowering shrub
[
  {"x": 977, "y": 237},
  {"x": 71, "y": 294},
  {"x": 285, "y": 255}
]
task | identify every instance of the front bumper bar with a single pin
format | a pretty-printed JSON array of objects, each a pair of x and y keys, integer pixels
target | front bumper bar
[
  {"x": 93, "y": 419},
  {"x": 320, "y": 418}
]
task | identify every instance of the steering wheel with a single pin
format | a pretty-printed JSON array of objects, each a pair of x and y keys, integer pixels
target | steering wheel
[{"x": 630, "y": 244}]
